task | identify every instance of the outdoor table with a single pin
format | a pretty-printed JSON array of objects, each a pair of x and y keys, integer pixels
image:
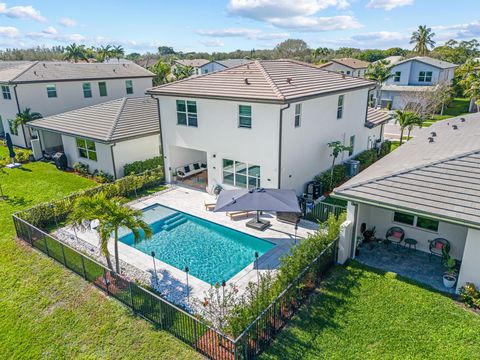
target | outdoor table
[{"x": 409, "y": 242}]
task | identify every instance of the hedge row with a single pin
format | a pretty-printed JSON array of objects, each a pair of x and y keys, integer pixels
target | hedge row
[{"x": 139, "y": 167}]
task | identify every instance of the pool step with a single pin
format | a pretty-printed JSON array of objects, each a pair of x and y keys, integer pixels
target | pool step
[
  {"x": 179, "y": 221},
  {"x": 172, "y": 218}
]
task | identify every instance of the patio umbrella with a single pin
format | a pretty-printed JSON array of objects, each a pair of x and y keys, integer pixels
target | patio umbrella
[
  {"x": 258, "y": 199},
  {"x": 11, "y": 153}
]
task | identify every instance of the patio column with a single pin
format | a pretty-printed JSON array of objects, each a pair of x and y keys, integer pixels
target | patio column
[{"x": 470, "y": 269}]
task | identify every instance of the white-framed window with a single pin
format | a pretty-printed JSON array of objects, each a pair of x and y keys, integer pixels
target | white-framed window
[
  {"x": 86, "y": 149},
  {"x": 240, "y": 174},
  {"x": 11, "y": 126},
  {"x": 298, "y": 114},
  {"x": 129, "y": 87},
  {"x": 52, "y": 90},
  {"x": 87, "y": 90},
  {"x": 348, "y": 72},
  {"x": 340, "y": 106},
  {"x": 102, "y": 88},
  {"x": 425, "y": 76},
  {"x": 352, "y": 145},
  {"x": 187, "y": 113},
  {"x": 396, "y": 76},
  {"x": 416, "y": 221},
  {"x": 245, "y": 116},
  {"x": 6, "y": 92}
]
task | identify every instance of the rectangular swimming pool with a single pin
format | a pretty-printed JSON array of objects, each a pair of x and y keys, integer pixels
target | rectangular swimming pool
[{"x": 211, "y": 251}]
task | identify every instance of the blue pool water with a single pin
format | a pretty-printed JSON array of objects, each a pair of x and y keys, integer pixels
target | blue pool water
[{"x": 212, "y": 252}]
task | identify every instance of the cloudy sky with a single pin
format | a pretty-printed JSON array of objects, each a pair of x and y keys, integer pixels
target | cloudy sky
[{"x": 225, "y": 25}]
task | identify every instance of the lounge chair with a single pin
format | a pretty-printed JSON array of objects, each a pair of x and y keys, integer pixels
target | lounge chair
[
  {"x": 395, "y": 235},
  {"x": 438, "y": 247},
  {"x": 210, "y": 206},
  {"x": 238, "y": 214}
]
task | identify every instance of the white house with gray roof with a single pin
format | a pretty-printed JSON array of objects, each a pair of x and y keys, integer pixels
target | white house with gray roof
[
  {"x": 105, "y": 136},
  {"x": 51, "y": 88},
  {"x": 411, "y": 76},
  {"x": 429, "y": 187},
  {"x": 264, "y": 123}
]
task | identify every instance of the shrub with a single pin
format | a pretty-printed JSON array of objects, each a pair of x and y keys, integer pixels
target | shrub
[
  {"x": 367, "y": 158},
  {"x": 385, "y": 149},
  {"x": 81, "y": 168},
  {"x": 470, "y": 295},
  {"x": 102, "y": 177},
  {"x": 23, "y": 155},
  {"x": 138, "y": 167},
  {"x": 339, "y": 176}
]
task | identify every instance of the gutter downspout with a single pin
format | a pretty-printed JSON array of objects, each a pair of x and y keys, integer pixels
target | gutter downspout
[
  {"x": 18, "y": 112},
  {"x": 161, "y": 137},
  {"x": 280, "y": 145},
  {"x": 113, "y": 161}
]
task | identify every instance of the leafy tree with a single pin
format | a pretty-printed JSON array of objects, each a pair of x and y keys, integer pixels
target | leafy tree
[
  {"x": 112, "y": 214},
  {"x": 321, "y": 53},
  {"x": 75, "y": 52},
  {"x": 457, "y": 52},
  {"x": 117, "y": 52},
  {"x": 25, "y": 117},
  {"x": 133, "y": 56},
  {"x": 165, "y": 50},
  {"x": 183, "y": 72},
  {"x": 423, "y": 39},
  {"x": 162, "y": 71},
  {"x": 292, "y": 48},
  {"x": 104, "y": 53},
  {"x": 407, "y": 120},
  {"x": 337, "y": 148},
  {"x": 379, "y": 72}
]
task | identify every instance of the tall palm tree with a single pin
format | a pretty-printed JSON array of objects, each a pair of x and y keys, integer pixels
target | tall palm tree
[
  {"x": 75, "y": 52},
  {"x": 118, "y": 52},
  {"x": 104, "y": 52},
  {"x": 378, "y": 71},
  {"x": 162, "y": 71},
  {"x": 112, "y": 214},
  {"x": 407, "y": 120},
  {"x": 25, "y": 117},
  {"x": 423, "y": 39},
  {"x": 183, "y": 72}
]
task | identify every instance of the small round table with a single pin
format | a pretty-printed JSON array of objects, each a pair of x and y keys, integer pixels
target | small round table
[{"x": 409, "y": 242}]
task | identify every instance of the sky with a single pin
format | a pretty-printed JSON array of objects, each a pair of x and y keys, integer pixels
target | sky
[{"x": 227, "y": 25}]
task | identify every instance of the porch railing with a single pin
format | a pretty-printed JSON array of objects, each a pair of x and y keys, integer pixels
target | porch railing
[{"x": 322, "y": 211}]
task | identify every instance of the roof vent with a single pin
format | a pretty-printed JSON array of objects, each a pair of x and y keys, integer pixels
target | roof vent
[
  {"x": 44, "y": 65},
  {"x": 433, "y": 133},
  {"x": 431, "y": 139},
  {"x": 289, "y": 80},
  {"x": 462, "y": 119},
  {"x": 114, "y": 70},
  {"x": 454, "y": 127},
  {"x": 35, "y": 73},
  {"x": 246, "y": 81}
]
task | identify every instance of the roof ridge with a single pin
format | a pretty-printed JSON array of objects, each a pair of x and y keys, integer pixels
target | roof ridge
[
  {"x": 117, "y": 118},
  {"x": 24, "y": 71},
  {"x": 270, "y": 81},
  {"x": 404, "y": 171}
]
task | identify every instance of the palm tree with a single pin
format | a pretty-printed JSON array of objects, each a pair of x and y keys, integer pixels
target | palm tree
[
  {"x": 162, "y": 71},
  {"x": 321, "y": 53},
  {"x": 25, "y": 117},
  {"x": 75, "y": 52},
  {"x": 378, "y": 71},
  {"x": 469, "y": 74},
  {"x": 422, "y": 38},
  {"x": 112, "y": 214},
  {"x": 183, "y": 72},
  {"x": 104, "y": 52},
  {"x": 118, "y": 52},
  {"x": 407, "y": 120}
]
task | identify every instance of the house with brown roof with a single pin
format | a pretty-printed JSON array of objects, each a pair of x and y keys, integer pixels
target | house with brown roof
[
  {"x": 348, "y": 66},
  {"x": 50, "y": 88},
  {"x": 264, "y": 123}
]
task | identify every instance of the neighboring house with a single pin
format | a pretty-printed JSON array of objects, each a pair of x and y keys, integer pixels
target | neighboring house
[
  {"x": 429, "y": 189},
  {"x": 266, "y": 123},
  {"x": 349, "y": 66},
  {"x": 200, "y": 66},
  {"x": 55, "y": 87},
  {"x": 392, "y": 60},
  {"x": 105, "y": 136},
  {"x": 414, "y": 75},
  {"x": 228, "y": 63}
]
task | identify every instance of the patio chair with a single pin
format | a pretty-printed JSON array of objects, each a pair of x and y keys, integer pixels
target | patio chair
[
  {"x": 209, "y": 206},
  {"x": 238, "y": 214},
  {"x": 438, "y": 247},
  {"x": 395, "y": 235}
]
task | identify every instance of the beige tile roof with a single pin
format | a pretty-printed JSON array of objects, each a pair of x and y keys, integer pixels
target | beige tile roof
[
  {"x": 277, "y": 81},
  {"x": 376, "y": 117},
  {"x": 43, "y": 71},
  {"x": 115, "y": 120},
  {"x": 193, "y": 62},
  {"x": 439, "y": 178},
  {"x": 352, "y": 63}
]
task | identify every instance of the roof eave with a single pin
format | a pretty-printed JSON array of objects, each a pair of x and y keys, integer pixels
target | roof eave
[{"x": 81, "y": 79}]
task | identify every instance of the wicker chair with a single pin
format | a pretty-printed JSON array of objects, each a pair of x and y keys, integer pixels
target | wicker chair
[
  {"x": 395, "y": 235},
  {"x": 438, "y": 246}
]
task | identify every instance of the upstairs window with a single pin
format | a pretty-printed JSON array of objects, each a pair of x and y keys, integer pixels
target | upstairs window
[
  {"x": 187, "y": 113},
  {"x": 87, "y": 149},
  {"x": 396, "y": 76},
  {"x": 129, "y": 86},
  {"x": 87, "y": 90},
  {"x": 298, "y": 114},
  {"x": 52, "y": 91},
  {"x": 102, "y": 87},
  {"x": 6, "y": 92},
  {"x": 340, "y": 107},
  {"x": 425, "y": 76},
  {"x": 245, "y": 116}
]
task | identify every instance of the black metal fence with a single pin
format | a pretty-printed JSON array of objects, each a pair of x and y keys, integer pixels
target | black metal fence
[
  {"x": 322, "y": 211},
  {"x": 194, "y": 332}
]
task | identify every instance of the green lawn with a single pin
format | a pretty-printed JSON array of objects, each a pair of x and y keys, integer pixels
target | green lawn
[
  {"x": 459, "y": 106},
  {"x": 48, "y": 312},
  {"x": 364, "y": 314}
]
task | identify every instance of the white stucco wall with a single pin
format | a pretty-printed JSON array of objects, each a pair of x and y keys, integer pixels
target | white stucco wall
[
  {"x": 8, "y": 111},
  {"x": 470, "y": 270},
  {"x": 128, "y": 151},
  {"x": 410, "y": 71}
]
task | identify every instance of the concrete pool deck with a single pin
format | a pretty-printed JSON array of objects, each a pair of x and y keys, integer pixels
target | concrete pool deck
[{"x": 172, "y": 281}]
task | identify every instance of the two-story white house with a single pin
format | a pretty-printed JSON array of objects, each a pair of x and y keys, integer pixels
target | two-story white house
[
  {"x": 411, "y": 76},
  {"x": 266, "y": 123},
  {"x": 51, "y": 88},
  {"x": 347, "y": 66},
  {"x": 203, "y": 66}
]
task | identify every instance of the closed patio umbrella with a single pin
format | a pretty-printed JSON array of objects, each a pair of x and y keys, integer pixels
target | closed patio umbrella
[{"x": 258, "y": 199}]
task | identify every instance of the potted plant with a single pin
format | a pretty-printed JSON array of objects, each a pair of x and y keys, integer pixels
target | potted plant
[{"x": 450, "y": 276}]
